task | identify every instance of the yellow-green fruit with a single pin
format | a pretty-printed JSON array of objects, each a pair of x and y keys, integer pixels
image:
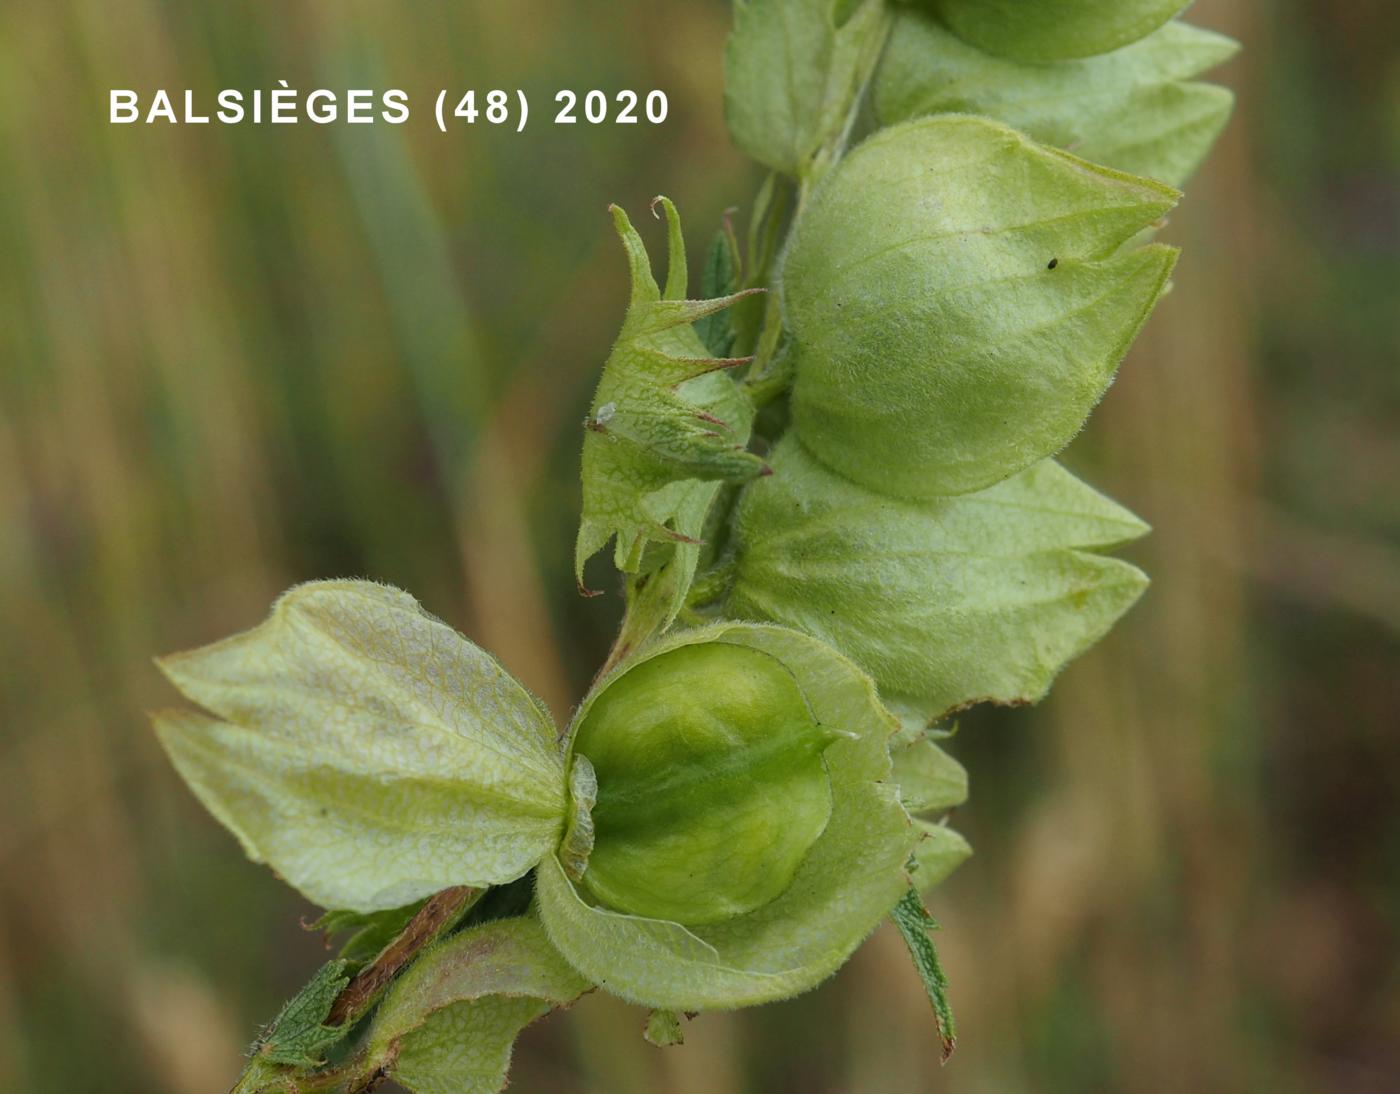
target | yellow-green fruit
[
  {"x": 710, "y": 784},
  {"x": 959, "y": 298},
  {"x": 1054, "y": 30}
]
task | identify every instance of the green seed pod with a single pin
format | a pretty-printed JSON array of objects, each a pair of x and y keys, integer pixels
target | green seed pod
[
  {"x": 710, "y": 784},
  {"x": 1054, "y": 30},
  {"x": 745, "y": 834},
  {"x": 959, "y": 298}
]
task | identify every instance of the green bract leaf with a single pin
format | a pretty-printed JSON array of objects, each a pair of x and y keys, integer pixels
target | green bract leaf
[
  {"x": 1053, "y": 30},
  {"x": 710, "y": 783},
  {"x": 937, "y": 854},
  {"x": 960, "y": 600},
  {"x": 369, "y": 932},
  {"x": 914, "y": 923},
  {"x": 929, "y": 780},
  {"x": 791, "y": 74},
  {"x": 299, "y": 1036},
  {"x": 719, "y": 278},
  {"x": 663, "y": 1029},
  {"x": 848, "y": 879},
  {"x": 1134, "y": 109},
  {"x": 577, "y": 847},
  {"x": 447, "y": 1026},
  {"x": 667, "y": 426},
  {"x": 366, "y": 751},
  {"x": 959, "y": 302}
]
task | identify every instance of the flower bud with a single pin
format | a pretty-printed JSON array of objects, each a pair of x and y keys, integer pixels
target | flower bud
[{"x": 959, "y": 298}]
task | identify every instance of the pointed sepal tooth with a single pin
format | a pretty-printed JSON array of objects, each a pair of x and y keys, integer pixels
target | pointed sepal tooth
[
  {"x": 732, "y": 464},
  {"x": 708, "y": 455},
  {"x": 644, "y": 288},
  {"x": 687, "y": 448},
  {"x": 700, "y": 366},
  {"x": 665, "y": 531},
  {"x": 664, "y": 314},
  {"x": 593, "y": 536},
  {"x": 671, "y": 370},
  {"x": 676, "y": 273}
]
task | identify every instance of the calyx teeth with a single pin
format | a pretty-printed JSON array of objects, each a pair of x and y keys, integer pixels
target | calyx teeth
[{"x": 663, "y": 423}]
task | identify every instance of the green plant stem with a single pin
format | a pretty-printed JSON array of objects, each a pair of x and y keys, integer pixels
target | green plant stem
[
  {"x": 834, "y": 147},
  {"x": 648, "y": 598},
  {"x": 440, "y": 914}
]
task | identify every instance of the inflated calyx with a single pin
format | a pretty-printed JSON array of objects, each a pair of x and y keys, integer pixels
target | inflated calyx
[
  {"x": 717, "y": 828},
  {"x": 746, "y": 836},
  {"x": 959, "y": 298},
  {"x": 711, "y": 784},
  {"x": 1053, "y": 30}
]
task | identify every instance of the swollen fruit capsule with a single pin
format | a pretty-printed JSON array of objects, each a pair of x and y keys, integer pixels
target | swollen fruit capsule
[
  {"x": 710, "y": 784},
  {"x": 959, "y": 298}
]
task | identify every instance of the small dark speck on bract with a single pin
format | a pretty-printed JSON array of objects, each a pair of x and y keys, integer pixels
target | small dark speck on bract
[{"x": 1052, "y": 263}]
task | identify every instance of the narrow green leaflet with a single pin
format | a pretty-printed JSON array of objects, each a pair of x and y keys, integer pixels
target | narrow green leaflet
[
  {"x": 1135, "y": 109},
  {"x": 914, "y": 923},
  {"x": 366, "y": 751},
  {"x": 792, "y": 71},
  {"x": 959, "y": 298},
  {"x": 844, "y": 885},
  {"x": 449, "y": 1023},
  {"x": 980, "y": 597},
  {"x": 720, "y": 277},
  {"x": 369, "y": 932},
  {"x": 1053, "y": 30},
  {"x": 667, "y": 426},
  {"x": 299, "y": 1036}
]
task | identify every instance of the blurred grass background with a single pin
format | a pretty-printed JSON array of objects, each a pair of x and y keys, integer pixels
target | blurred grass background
[{"x": 233, "y": 358}]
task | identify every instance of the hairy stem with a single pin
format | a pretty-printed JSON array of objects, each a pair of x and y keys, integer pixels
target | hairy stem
[{"x": 440, "y": 914}]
